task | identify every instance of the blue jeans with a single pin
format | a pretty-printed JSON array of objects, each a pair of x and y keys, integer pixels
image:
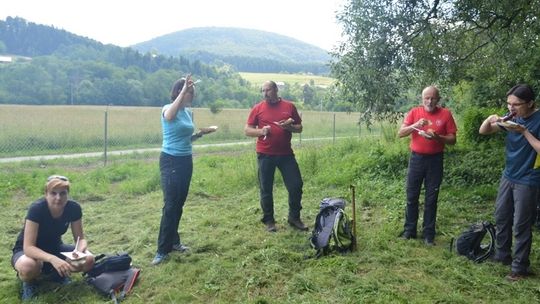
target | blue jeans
[
  {"x": 427, "y": 170},
  {"x": 292, "y": 179},
  {"x": 176, "y": 174},
  {"x": 515, "y": 208}
]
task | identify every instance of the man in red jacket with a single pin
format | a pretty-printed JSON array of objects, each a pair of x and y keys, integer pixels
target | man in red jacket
[
  {"x": 431, "y": 127},
  {"x": 272, "y": 121}
]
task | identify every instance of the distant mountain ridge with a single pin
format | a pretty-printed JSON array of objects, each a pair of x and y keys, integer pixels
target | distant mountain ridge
[{"x": 243, "y": 48}]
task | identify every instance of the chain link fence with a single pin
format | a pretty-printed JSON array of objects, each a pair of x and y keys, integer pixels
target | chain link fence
[{"x": 46, "y": 132}]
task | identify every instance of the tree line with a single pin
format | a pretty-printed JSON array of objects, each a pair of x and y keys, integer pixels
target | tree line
[
  {"x": 53, "y": 66},
  {"x": 474, "y": 50}
]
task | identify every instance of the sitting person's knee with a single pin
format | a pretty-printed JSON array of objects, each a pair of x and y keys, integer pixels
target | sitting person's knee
[{"x": 28, "y": 269}]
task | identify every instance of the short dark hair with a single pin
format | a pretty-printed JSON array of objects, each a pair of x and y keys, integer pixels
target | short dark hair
[
  {"x": 522, "y": 91},
  {"x": 177, "y": 87}
]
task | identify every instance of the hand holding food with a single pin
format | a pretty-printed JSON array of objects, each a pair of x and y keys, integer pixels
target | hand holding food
[
  {"x": 507, "y": 117},
  {"x": 285, "y": 122},
  {"x": 208, "y": 130}
]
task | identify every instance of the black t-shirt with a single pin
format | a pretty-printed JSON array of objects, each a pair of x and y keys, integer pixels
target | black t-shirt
[{"x": 50, "y": 230}]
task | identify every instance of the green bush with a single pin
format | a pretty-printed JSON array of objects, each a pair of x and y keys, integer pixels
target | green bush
[
  {"x": 472, "y": 119},
  {"x": 473, "y": 166}
]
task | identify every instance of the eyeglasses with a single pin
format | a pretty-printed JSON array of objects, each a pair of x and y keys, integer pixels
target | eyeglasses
[
  {"x": 60, "y": 177},
  {"x": 515, "y": 105}
]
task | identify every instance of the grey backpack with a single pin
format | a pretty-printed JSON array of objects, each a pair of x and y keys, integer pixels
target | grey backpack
[{"x": 333, "y": 228}]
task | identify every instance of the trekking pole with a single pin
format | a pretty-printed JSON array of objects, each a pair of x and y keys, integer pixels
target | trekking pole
[{"x": 353, "y": 199}]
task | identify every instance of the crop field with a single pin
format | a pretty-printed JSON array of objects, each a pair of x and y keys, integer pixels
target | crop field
[
  {"x": 257, "y": 79},
  {"x": 41, "y": 130}
]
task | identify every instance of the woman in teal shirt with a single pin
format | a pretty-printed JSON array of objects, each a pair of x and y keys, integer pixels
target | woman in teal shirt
[{"x": 176, "y": 164}]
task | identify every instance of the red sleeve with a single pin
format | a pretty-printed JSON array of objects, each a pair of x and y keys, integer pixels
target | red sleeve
[{"x": 253, "y": 118}]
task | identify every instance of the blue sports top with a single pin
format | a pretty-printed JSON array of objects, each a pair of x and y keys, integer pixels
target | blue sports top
[
  {"x": 177, "y": 132},
  {"x": 520, "y": 155}
]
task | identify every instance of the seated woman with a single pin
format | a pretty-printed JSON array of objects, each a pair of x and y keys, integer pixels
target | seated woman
[{"x": 39, "y": 245}]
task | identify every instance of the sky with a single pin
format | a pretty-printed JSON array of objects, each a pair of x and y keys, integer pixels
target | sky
[{"x": 127, "y": 22}]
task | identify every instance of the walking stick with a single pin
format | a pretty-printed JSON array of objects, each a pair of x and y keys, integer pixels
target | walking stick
[{"x": 353, "y": 216}]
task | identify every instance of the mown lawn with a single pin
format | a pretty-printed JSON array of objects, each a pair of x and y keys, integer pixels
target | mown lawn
[{"x": 233, "y": 260}]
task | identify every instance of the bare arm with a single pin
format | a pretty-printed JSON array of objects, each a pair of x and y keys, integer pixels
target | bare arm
[
  {"x": 184, "y": 97},
  {"x": 289, "y": 125},
  {"x": 489, "y": 125},
  {"x": 32, "y": 251},
  {"x": 406, "y": 130},
  {"x": 253, "y": 131}
]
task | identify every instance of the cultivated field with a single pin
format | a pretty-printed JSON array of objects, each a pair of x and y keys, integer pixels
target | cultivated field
[
  {"x": 257, "y": 79},
  {"x": 39, "y": 130}
]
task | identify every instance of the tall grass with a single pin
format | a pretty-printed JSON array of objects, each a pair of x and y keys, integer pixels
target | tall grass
[
  {"x": 233, "y": 260},
  {"x": 41, "y": 130}
]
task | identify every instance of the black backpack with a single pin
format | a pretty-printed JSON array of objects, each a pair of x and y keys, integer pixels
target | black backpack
[
  {"x": 105, "y": 263},
  {"x": 332, "y": 229},
  {"x": 112, "y": 275},
  {"x": 477, "y": 243}
]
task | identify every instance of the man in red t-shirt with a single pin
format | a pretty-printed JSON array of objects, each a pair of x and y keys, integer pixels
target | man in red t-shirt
[
  {"x": 272, "y": 121},
  {"x": 432, "y": 127}
]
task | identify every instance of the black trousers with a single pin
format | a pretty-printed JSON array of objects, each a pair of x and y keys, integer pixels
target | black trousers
[
  {"x": 427, "y": 170},
  {"x": 176, "y": 172},
  {"x": 292, "y": 179}
]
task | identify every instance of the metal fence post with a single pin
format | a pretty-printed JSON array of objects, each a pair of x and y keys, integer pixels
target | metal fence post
[
  {"x": 300, "y": 134},
  {"x": 334, "y": 130},
  {"x": 105, "y": 138}
]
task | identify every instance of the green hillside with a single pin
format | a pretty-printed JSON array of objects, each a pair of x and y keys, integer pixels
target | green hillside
[{"x": 247, "y": 49}]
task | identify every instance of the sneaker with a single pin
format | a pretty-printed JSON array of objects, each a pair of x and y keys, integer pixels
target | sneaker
[
  {"x": 298, "y": 224},
  {"x": 180, "y": 247},
  {"x": 160, "y": 257},
  {"x": 406, "y": 235},
  {"x": 429, "y": 242},
  {"x": 271, "y": 227},
  {"x": 29, "y": 290}
]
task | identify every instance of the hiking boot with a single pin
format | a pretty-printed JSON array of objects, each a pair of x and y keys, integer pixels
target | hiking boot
[
  {"x": 406, "y": 235},
  {"x": 160, "y": 257},
  {"x": 180, "y": 248},
  {"x": 271, "y": 227},
  {"x": 518, "y": 276},
  {"x": 297, "y": 223},
  {"x": 29, "y": 290}
]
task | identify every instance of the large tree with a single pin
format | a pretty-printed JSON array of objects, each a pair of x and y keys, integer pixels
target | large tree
[{"x": 393, "y": 45}]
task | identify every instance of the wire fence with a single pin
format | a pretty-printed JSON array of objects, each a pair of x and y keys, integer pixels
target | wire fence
[{"x": 46, "y": 132}]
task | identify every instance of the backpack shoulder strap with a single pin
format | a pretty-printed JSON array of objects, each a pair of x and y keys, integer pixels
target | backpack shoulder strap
[
  {"x": 490, "y": 229},
  {"x": 130, "y": 281}
]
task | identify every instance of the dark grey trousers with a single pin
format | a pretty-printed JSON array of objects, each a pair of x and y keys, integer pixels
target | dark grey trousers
[{"x": 515, "y": 210}]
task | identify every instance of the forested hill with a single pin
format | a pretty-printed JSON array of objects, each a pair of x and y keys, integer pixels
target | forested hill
[
  {"x": 44, "y": 65},
  {"x": 246, "y": 49}
]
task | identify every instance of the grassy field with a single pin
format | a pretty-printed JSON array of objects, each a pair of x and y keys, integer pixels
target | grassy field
[
  {"x": 41, "y": 130},
  {"x": 233, "y": 260},
  {"x": 257, "y": 79}
]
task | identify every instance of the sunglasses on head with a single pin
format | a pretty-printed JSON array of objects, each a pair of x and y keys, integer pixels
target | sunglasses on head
[{"x": 60, "y": 177}]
